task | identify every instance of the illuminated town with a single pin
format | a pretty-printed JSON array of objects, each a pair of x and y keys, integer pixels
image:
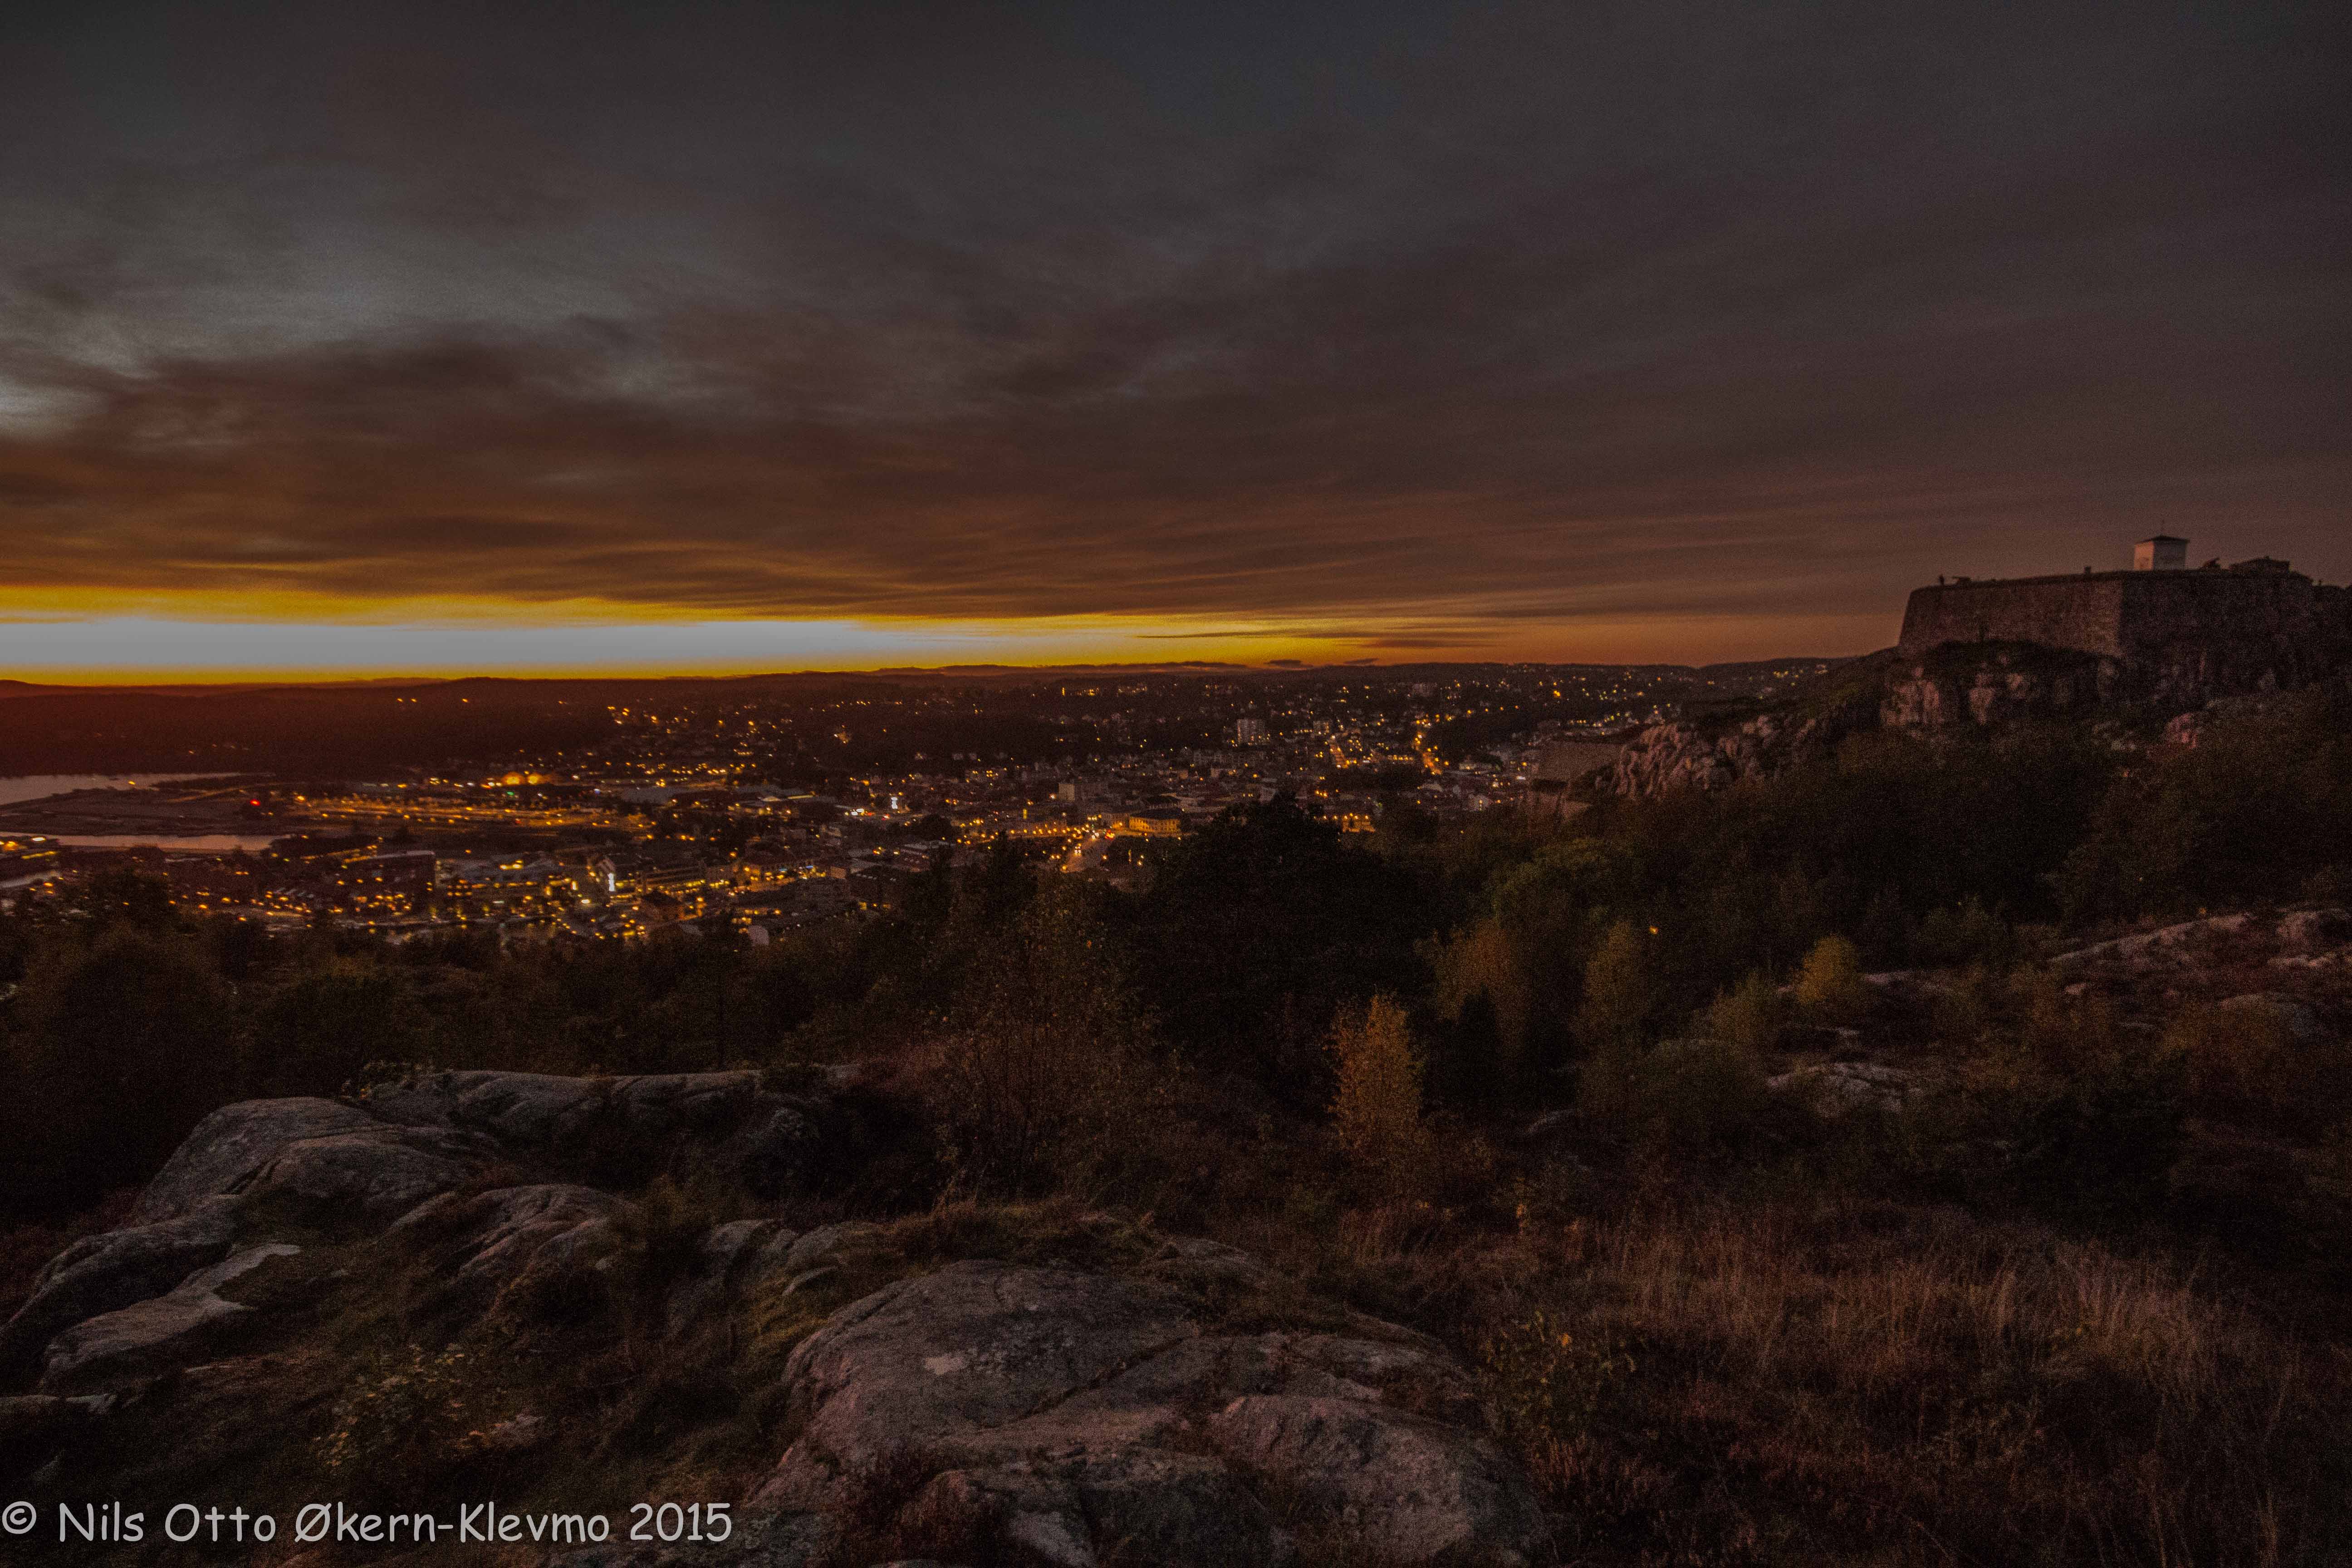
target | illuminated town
[{"x": 712, "y": 807}]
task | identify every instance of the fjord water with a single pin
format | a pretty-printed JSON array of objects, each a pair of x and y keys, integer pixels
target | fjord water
[{"x": 40, "y": 786}]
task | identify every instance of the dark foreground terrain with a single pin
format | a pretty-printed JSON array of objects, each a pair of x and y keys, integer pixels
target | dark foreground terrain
[{"x": 1939, "y": 1153}]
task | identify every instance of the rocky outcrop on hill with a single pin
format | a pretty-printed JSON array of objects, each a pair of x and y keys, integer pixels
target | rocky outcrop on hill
[
  {"x": 2296, "y": 938},
  {"x": 370, "y": 1163},
  {"x": 1122, "y": 1412},
  {"x": 1680, "y": 755},
  {"x": 1836, "y": 1088},
  {"x": 115, "y": 1269},
  {"x": 156, "y": 1334},
  {"x": 510, "y": 1231},
  {"x": 622, "y": 1126},
  {"x": 2002, "y": 686},
  {"x": 1102, "y": 1420},
  {"x": 1986, "y": 687}
]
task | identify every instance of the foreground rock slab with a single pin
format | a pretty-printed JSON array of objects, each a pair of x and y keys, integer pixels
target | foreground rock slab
[
  {"x": 1095, "y": 1420},
  {"x": 117, "y": 1268},
  {"x": 154, "y": 1333},
  {"x": 1172, "y": 1402},
  {"x": 405, "y": 1155}
]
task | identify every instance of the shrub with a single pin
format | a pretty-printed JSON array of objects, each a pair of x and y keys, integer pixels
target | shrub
[
  {"x": 116, "y": 1050},
  {"x": 1678, "y": 1094},
  {"x": 1048, "y": 1075},
  {"x": 2108, "y": 1138},
  {"x": 2066, "y": 1034},
  {"x": 1830, "y": 988},
  {"x": 405, "y": 1417},
  {"x": 2247, "y": 1063},
  {"x": 1378, "y": 1109},
  {"x": 663, "y": 1234},
  {"x": 1482, "y": 988},
  {"x": 1965, "y": 934},
  {"x": 1619, "y": 990},
  {"x": 2246, "y": 813},
  {"x": 316, "y": 1031},
  {"x": 1254, "y": 929},
  {"x": 1748, "y": 1017}
]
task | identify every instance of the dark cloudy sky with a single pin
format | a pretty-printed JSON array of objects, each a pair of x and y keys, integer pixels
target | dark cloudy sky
[{"x": 511, "y": 334}]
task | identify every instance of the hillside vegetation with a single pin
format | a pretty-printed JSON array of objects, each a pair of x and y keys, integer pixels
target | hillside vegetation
[{"x": 1827, "y": 1168}]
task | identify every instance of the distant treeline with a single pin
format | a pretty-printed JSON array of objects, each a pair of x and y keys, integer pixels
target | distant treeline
[
  {"x": 320, "y": 731},
  {"x": 814, "y": 723},
  {"x": 343, "y": 731}
]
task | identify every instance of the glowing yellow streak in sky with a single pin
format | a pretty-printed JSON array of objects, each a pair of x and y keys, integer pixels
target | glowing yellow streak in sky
[{"x": 111, "y": 635}]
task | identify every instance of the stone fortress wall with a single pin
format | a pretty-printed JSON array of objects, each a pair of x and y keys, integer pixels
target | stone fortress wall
[
  {"x": 2256, "y": 625},
  {"x": 2085, "y": 613}
]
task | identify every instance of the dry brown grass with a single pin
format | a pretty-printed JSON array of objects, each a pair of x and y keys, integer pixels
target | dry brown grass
[
  {"x": 1919, "y": 1388},
  {"x": 1802, "y": 1372}
]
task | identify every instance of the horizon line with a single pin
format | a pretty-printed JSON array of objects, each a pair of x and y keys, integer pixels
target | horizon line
[{"x": 115, "y": 681}]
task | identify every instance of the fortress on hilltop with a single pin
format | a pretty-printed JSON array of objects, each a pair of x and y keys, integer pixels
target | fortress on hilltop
[
  {"x": 2162, "y": 626},
  {"x": 2159, "y": 641}
]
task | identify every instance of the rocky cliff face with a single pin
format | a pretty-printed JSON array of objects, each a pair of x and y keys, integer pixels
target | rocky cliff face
[
  {"x": 1147, "y": 1401},
  {"x": 1681, "y": 756},
  {"x": 1998, "y": 686}
]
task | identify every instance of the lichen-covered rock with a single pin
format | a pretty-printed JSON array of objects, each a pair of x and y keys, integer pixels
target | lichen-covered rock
[
  {"x": 955, "y": 1357},
  {"x": 522, "y": 1109},
  {"x": 537, "y": 1112},
  {"x": 1838, "y": 1086},
  {"x": 168, "y": 1330},
  {"x": 2313, "y": 930},
  {"x": 634, "y": 1122},
  {"x": 1419, "y": 1490},
  {"x": 508, "y": 1231},
  {"x": 107, "y": 1272},
  {"x": 231, "y": 1146},
  {"x": 808, "y": 1250},
  {"x": 1080, "y": 1411},
  {"x": 660, "y": 1105},
  {"x": 375, "y": 1173},
  {"x": 2169, "y": 946},
  {"x": 330, "y": 1156},
  {"x": 720, "y": 1258}
]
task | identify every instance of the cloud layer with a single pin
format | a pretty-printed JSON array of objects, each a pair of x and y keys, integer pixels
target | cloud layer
[{"x": 1440, "y": 328}]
